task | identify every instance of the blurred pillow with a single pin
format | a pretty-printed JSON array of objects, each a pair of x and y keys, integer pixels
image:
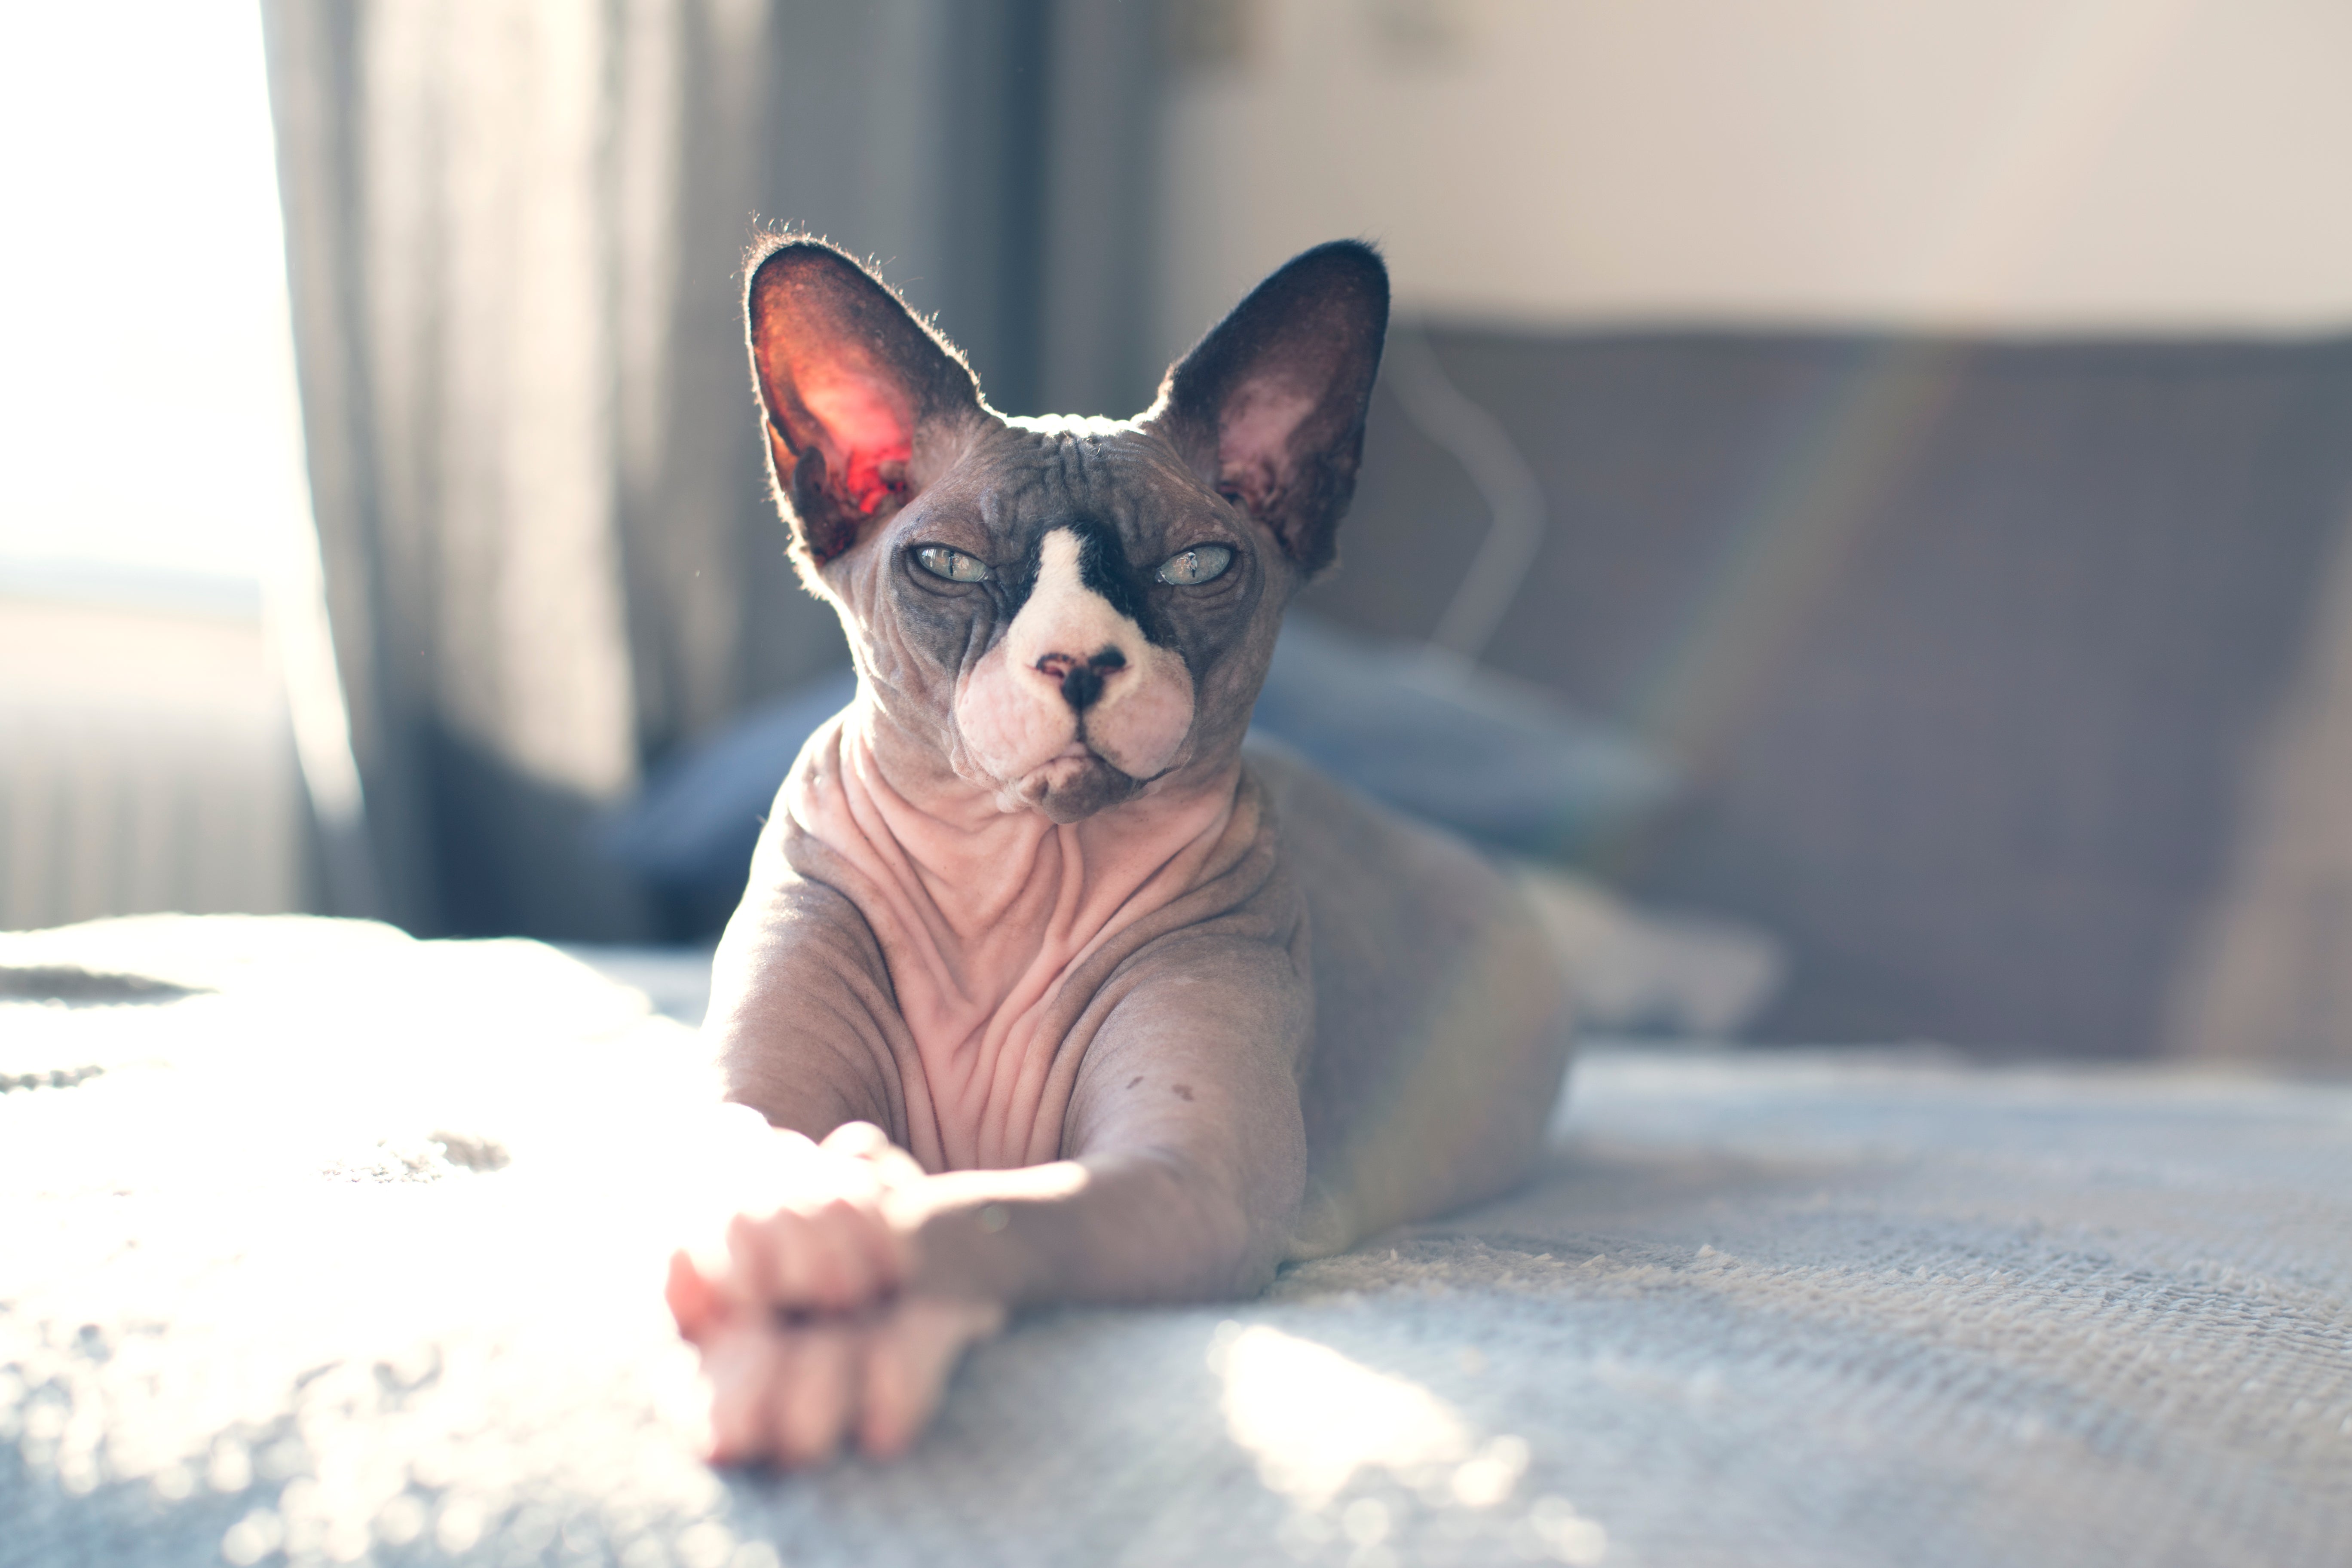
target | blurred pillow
[
  {"x": 690, "y": 830},
  {"x": 1643, "y": 972},
  {"x": 1500, "y": 762},
  {"x": 1492, "y": 758}
]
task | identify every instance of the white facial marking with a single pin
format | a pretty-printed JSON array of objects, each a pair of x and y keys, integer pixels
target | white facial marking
[{"x": 1012, "y": 709}]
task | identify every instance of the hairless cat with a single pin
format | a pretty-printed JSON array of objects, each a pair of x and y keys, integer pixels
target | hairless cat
[{"x": 1056, "y": 994}]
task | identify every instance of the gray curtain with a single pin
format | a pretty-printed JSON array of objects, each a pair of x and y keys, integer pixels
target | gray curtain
[{"x": 513, "y": 233}]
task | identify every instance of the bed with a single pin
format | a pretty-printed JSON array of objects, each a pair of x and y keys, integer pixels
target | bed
[{"x": 320, "y": 1244}]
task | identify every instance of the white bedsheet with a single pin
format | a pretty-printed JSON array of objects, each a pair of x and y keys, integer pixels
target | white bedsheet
[{"x": 351, "y": 1253}]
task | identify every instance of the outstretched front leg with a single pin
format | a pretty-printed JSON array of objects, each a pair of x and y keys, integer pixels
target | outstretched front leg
[{"x": 837, "y": 1311}]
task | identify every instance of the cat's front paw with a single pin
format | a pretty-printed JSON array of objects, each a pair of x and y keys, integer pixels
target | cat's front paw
[
  {"x": 809, "y": 1332},
  {"x": 810, "y": 1232},
  {"x": 828, "y": 1246},
  {"x": 794, "y": 1392}
]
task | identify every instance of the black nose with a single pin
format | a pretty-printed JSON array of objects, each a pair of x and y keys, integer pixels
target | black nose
[{"x": 1081, "y": 682}]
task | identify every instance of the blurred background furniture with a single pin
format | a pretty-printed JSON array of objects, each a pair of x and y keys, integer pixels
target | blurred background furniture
[
  {"x": 1925, "y": 432},
  {"x": 1968, "y": 644},
  {"x": 1970, "y": 651}
]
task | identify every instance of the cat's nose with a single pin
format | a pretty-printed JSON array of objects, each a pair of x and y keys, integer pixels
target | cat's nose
[{"x": 1082, "y": 679}]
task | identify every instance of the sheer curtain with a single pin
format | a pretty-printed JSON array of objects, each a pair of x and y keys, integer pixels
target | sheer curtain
[{"x": 513, "y": 229}]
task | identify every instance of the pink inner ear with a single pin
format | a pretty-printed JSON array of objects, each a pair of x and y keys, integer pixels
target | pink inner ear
[
  {"x": 867, "y": 438},
  {"x": 1254, "y": 438}
]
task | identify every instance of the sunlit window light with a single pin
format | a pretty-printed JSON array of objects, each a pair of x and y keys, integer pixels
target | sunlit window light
[
  {"x": 150, "y": 418},
  {"x": 156, "y": 501}
]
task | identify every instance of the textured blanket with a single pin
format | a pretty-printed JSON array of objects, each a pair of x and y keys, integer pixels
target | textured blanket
[{"x": 318, "y": 1244}]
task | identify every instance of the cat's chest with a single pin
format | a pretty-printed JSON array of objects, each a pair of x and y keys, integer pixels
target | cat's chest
[
  {"x": 991, "y": 1022},
  {"x": 999, "y": 933}
]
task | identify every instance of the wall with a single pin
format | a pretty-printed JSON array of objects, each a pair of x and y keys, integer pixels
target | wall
[{"x": 2021, "y": 166}]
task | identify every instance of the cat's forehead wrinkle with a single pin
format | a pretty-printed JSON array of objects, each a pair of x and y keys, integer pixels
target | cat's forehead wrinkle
[
  {"x": 1014, "y": 492},
  {"x": 1040, "y": 476}
]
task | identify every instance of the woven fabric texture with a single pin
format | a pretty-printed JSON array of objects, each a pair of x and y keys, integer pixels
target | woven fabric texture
[{"x": 319, "y": 1245}]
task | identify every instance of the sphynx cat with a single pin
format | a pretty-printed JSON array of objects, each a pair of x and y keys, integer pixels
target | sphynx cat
[{"x": 1054, "y": 993}]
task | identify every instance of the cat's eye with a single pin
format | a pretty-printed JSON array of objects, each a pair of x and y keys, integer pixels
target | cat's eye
[
  {"x": 953, "y": 564},
  {"x": 1191, "y": 568}
]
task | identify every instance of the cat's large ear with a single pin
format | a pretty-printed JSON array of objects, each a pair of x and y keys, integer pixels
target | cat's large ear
[
  {"x": 1269, "y": 407},
  {"x": 852, "y": 384}
]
